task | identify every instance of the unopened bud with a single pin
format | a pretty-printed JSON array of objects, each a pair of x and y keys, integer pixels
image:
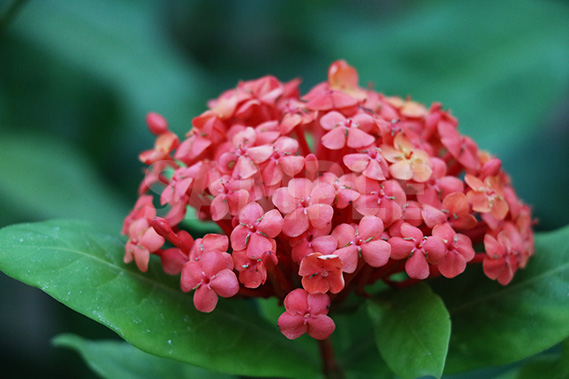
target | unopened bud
[{"x": 156, "y": 123}]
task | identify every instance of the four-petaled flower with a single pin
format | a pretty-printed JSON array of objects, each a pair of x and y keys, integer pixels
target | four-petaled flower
[
  {"x": 305, "y": 204},
  {"x": 256, "y": 231},
  {"x": 487, "y": 196},
  {"x": 362, "y": 240},
  {"x": 321, "y": 273},
  {"x": 306, "y": 313},
  {"x": 211, "y": 276},
  {"x": 351, "y": 132},
  {"x": 459, "y": 250},
  {"x": 418, "y": 250},
  {"x": 503, "y": 254},
  {"x": 408, "y": 162}
]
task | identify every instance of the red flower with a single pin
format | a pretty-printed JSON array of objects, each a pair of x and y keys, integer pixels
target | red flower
[
  {"x": 325, "y": 192},
  {"x": 369, "y": 162},
  {"x": 280, "y": 158},
  {"x": 321, "y": 273},
  {"x": 346, "y": 131},
  {"x": 256, "y": 231},
  {"x": 211, "y": 276},
  {"x": 459, "y": 251},
  {"x": 306, "y": 313},
  {"x": 455, "y": 210},
  {"x": 487, "y": 196},
  {"x": 363, "y": 240},
  {"x": 418, "y": 250},
  {"x": 305, "y": 203},
  {"x": 503, "y": 254},
  {"x": 384, "y": 200},
  {"x": 230, "y": 196},
  {"x": 408, "y": 162}
]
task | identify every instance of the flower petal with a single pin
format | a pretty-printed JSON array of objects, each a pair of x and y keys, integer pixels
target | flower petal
[
  {"x": 320, "y": 327},
  {"x": 291, "y": 325},
  {"x": 225, "y": 283},
  {"x": 205, "y": 299},
  {"x": 376, "y": 253},
  {"x": 295, "y": 223},
  {"x": 320, "y": 215}
]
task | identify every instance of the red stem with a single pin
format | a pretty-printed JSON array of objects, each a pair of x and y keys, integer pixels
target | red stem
[
  {"x": 330, "y": 367},
  {"x": 304, "y": 148},
  {"x": 478, "y": 258},
  {"x": 225, "y": 225}
]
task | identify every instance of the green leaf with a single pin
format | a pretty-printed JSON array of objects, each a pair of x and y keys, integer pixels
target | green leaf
[
  {"x": 115, "y": 359},
  {"x": 412, "y": 329},
  {"x": 44, "y": 178},
  {"x": 82, "y": 267},
  {"x": 494, "y": 324},
  {"x": 355, "y": 348},
  {"x": 551, "y": 365}
]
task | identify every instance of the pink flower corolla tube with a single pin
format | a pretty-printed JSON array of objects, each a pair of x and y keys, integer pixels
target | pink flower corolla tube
[{"x": 321, "y": 194}]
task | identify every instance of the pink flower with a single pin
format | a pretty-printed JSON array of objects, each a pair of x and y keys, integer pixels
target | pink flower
[
  {"x": 503, "y": 254},
  {"x": 363, "y": 240},
  {"x": 142, "y": 241},
  {"x": 439, "y": 185},
  {"x": 321, "y": 273},
  {"x": 312, "y": 241},
  {"x": 346, "y": 131},
  {"x": 306, "y": 313},
  {"x": 173, "y": 260},
  {"x": 463, "y": 148},
  {"x": 236, "y": 161},
  {"x": 487, "y": 196},
  {"x": 230, "y": 196},
  {"x": 418, "y": 250},
  {"x": 281, "y": 160},
  {"x": 256, "y": 231},
  {"x": 305, "y": 203},
  {"x": 328, "y": 192},
  {"x": 211, "y": 276},
  {"x": 252, "y": 272},
  {"x": 322, "y": 98},
  {"x": 459, "y": 251},
  {"x": 369, "y": 162},
  {"x": 142, "y": 209},
  {"x": 344, "y": 187},
  {"x": 408, "y": 162},
  {"x": 455, "y": 210},
  {"x": 384, "y": 200}
]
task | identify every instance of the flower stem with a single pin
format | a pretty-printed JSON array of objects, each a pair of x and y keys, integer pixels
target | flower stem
[
  {"x": 304, "y": 148},
  {"x": 330, "y": 367},
  {"x": 478, "y": 258}
]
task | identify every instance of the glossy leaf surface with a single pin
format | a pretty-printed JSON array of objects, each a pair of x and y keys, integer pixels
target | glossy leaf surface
[
  {"x": 83, "y": 268},
  {"x": 412, "y": 329}
]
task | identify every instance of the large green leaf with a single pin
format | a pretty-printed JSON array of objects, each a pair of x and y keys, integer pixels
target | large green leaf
[
  {"x": 412, "y": 329},
  {"x": 44, "y": 178},
  {"x": 355, "y": 347},
  {"x": 115, "y": 359},
  {"x": 494, "y": 324},
  {"x": 82, "y": 267}
]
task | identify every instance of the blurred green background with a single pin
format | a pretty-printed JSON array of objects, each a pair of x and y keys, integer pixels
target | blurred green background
[{"x": 78, "y": 77}]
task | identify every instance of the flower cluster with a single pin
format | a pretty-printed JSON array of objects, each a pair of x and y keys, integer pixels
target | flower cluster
[{"x": 320, "y": 195}]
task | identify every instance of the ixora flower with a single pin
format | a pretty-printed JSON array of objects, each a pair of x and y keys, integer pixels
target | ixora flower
[{"x": 322, "y": 194}]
